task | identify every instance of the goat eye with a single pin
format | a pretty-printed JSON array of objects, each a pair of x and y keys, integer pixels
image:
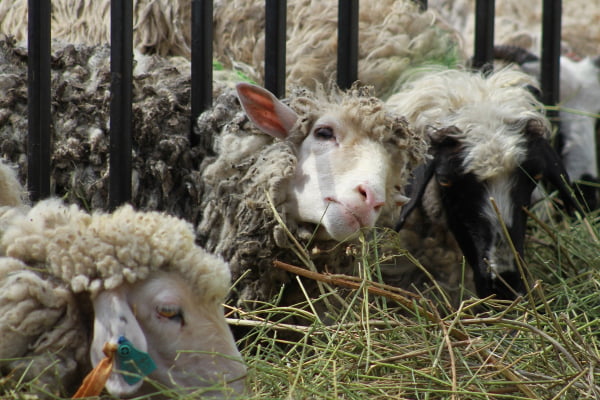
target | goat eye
[
  {"x": 171, "y": 312},
  {"x": 324, "y": 133},
  {"x": 538, "y": 176}
]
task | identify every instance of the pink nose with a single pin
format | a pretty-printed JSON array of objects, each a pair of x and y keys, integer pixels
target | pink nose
[{"x": 369, "y": 197}]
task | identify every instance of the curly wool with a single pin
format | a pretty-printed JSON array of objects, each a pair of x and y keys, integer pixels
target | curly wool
[
  {"x": 100, "y": 251},
  {"x": 11, "y": 191},
  {"x": 159, "y": 27},
  {"x": 162, "y": 158},
  {"x": 54, "y": 258},
  {"x": 492, "y": 109},
  {"x": 250, "y": 168},
  {"x": 393, "y": 37}
]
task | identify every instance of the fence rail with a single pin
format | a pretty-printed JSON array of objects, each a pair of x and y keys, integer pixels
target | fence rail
[{"x": 38, "y": 174}]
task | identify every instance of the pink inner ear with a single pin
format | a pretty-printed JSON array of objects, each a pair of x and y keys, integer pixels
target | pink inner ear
[{"x": 266, "y": 111}]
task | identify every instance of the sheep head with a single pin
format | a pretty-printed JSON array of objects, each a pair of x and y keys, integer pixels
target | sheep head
[
  {"x": 344, "y": 175},
  {"x": 147, "y": 282},
  {"x": 489, "y": 141},
  {"x": 186, "y": 337}
]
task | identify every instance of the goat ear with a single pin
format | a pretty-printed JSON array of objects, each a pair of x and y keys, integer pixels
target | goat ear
[
  {"x": 555, "y": 173},
  {"x": 421, "y": 177},
  {"x": 264, "y": 109},
  {"x": 114, "y": 318}
]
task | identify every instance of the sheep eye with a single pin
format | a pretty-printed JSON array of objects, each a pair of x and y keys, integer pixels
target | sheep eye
[
  {"x": 170, "y": 311},
  {"x": 444, "y": 182},
  {"x": 324, "y": 133}
]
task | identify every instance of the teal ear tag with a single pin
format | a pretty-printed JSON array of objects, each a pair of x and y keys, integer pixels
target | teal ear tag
[{"x": 133, "y": 363}]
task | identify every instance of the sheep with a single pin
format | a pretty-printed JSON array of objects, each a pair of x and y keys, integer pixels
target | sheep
[
  {"x": 330, "y": 163},
  {"x": 488, "y": 139},
  {"x": 163, "y": 161},
  {"x": 579, "y": 108},
  {"x": 394, "y": 36},
  {"x": 159, "y": 27},
  {"x": 518, "y": 23},
  {"x": 72, "y": 283}
]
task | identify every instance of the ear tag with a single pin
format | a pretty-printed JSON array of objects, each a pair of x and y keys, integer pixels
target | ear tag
[{"x": 134, "y": 363}]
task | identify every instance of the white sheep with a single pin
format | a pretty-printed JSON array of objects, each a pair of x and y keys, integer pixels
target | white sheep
[
  {"x": 488, "y": 139},
  {"x": 159, "y": 27},
  {"x": 330, "y": 163},
  {"x": 518, "y": 23},
  {"x": 393, "y": 37},
  {"x": 73, "y": 282}
]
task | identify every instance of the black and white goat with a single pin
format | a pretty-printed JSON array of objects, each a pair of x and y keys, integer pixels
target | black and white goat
[
  {"x": 488, "y": 139},
  {"x": 579, "y": 108}
]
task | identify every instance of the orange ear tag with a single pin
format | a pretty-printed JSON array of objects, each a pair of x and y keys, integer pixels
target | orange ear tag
[{"x": 95, "y": 381}]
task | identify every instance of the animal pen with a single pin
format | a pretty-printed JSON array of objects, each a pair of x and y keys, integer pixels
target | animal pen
[{"x": 39, "y": 86}]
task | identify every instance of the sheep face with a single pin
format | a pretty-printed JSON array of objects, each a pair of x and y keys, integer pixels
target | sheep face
[
  {"x": 186, "y": 336},
  {"x": 465, "y": 196},
  {"x": 343, "y": 176}
]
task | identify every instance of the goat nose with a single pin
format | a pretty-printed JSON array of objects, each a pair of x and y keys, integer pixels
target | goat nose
[{"x": 370, "y": 197}]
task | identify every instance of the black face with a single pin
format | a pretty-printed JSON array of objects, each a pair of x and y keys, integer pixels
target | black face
[
  {"x": 471, "y": 219},
  {"x": 469, "y": 212}
]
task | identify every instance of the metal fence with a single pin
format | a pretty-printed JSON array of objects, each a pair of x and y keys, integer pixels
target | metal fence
[{"x": 38, "y": 174}]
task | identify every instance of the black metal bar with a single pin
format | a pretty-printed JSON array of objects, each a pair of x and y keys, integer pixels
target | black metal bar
[
  {"x": 347, "y": 64},
  {"x": 275, "y": 23},
  {"x": 550, "y": 57},
  {"x": 121, "y": 73},
  {"x": 202, "y": 68},
  {"x": 38, "y": 93},
  {"x": 484, "y": 35}
]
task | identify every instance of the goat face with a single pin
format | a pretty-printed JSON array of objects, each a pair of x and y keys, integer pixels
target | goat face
[
  {"x": 186, "y": 336},
  {"x": 469, "y": 212}
]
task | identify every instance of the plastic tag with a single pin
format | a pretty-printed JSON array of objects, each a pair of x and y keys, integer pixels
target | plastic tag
[{"x": 133, "y": 363}]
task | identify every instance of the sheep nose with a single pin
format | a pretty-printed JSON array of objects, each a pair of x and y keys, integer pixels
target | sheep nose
[{"x": 370, "y": 197}]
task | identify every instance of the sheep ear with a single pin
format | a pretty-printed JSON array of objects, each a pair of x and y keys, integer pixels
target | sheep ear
[
  {"x": 555, "y": 173},
  {"x": 421, "y": 177},
  {"x": 264, "y": 109},
  {"x": 114, "y": 318}
]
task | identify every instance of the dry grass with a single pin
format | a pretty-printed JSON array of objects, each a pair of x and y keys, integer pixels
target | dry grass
[{"x": 372, "y": 341}]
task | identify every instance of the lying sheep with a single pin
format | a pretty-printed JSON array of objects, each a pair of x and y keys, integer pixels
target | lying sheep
[
  {"x": 330, "y": 164},
  {"x": 72, "y": 283},
  {"x": 578, "y": 113},
  {"x": 488, "y": 139}
]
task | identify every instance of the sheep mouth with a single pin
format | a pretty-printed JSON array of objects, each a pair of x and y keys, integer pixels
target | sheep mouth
[{"x": 361, "y": 221}]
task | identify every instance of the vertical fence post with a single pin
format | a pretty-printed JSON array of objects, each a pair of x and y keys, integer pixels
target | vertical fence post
[
  {"x": 347, "y": 62},
  {"x": 275, "y": 24},
  {"x": 550, "y": 58},
  {"x": 202, "y": 69},
  {"x": 121, "y": 76},
  {"x": 38, "y": 94},
  {"x": 484, "y": 35}
]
